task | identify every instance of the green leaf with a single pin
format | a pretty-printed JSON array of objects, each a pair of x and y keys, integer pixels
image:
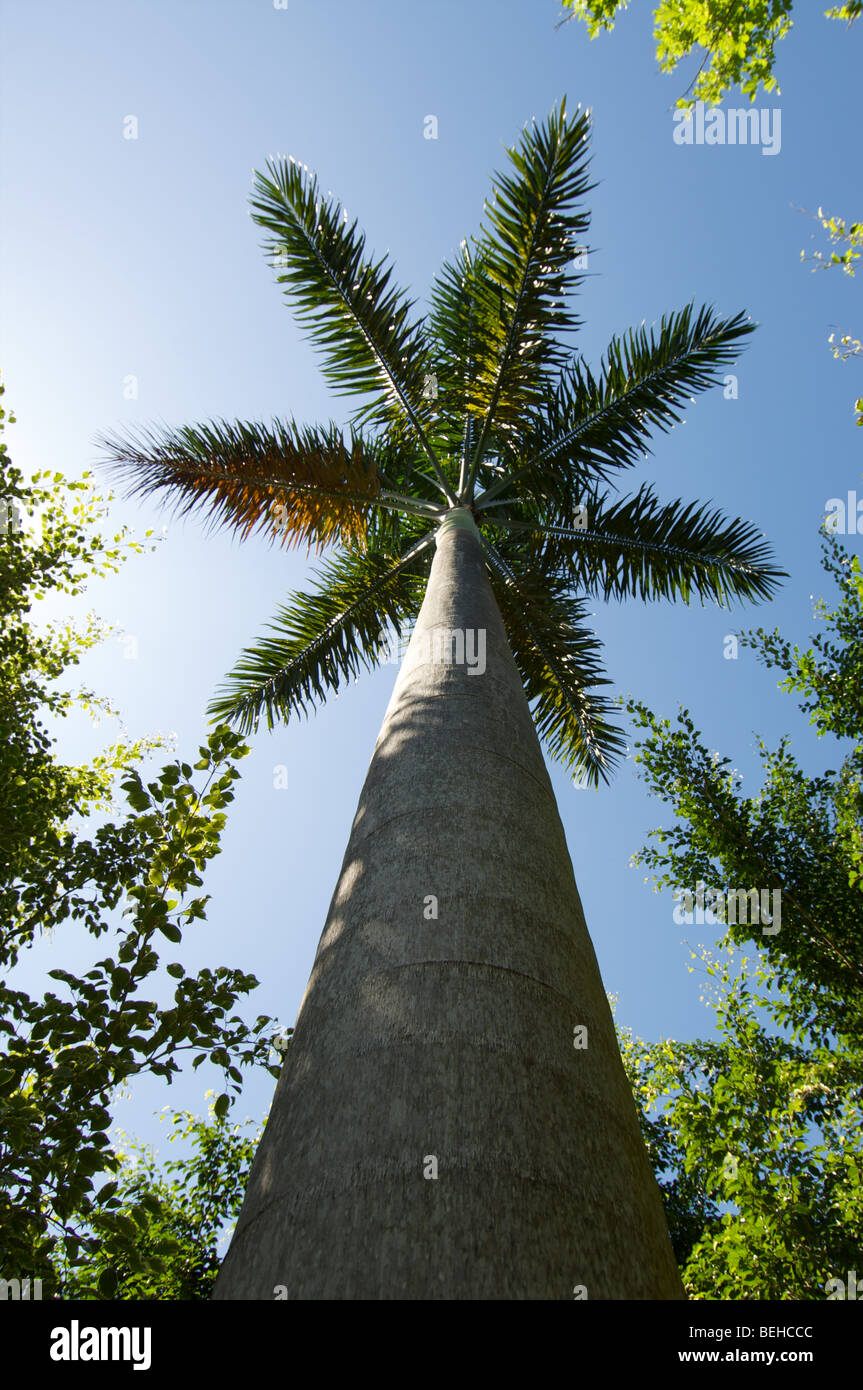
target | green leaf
[
  {"x": 357, "y": 319},
  {"x": 325, "y": 636}
]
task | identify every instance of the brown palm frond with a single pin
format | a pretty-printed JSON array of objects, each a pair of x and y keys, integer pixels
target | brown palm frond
[{"x": 298, "y": 484}]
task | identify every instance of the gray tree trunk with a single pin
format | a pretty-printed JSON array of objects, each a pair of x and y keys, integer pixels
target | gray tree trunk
[{"x": 436, "y": 1133}]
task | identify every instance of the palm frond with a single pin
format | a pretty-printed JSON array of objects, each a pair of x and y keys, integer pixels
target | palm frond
[
  {"x": 593, "y": 425},
  {"x": 465, "y": 331},
  {"x": 300, "y": 485},
  {"x": 359, "y": 321},
  {"x": 325, "y": 636},
  {"x": 526, "y": 256},
  {"x": 640, "y": 547},
  {"x": 558, "y": 657}
]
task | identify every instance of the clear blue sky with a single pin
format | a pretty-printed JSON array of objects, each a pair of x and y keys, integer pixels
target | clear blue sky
[{"x": 137, "y": 257}]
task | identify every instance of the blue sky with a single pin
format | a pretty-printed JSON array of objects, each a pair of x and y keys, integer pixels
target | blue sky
[{"x": 137, "y": 258}]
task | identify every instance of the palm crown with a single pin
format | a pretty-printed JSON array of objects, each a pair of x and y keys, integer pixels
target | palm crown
[{"x": 480, "y": 404}]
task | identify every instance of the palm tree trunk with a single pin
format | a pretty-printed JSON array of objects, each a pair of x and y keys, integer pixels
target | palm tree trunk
[{"x": 436, "y": 1132}]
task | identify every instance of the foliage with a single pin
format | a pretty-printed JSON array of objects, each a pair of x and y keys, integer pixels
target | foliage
[
  {"x": 481, "y": 405},
  {"x": 847, "y": 235},
  {"x": 738, "y": 38},
  {"x": 802, "y": 834},
  {"x": 180, "y": 1211},
  {"x": 68, "y": 856},
  {"x": 755, "y": 1140},
  {"x": 846, "y": 241},
  {"x": 755, "y": 1135}
]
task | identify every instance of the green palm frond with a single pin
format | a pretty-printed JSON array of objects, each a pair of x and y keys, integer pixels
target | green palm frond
[
  {"x": 558, "y": 657},
  {"x": 526, "y": 257},
  {"x": 592, "y": 425},
  {"x": 640, "y": 547},
  {"x": 359, "y": 321},
  {"x": 325, "y": 636},
  {"x": 463, "y": 305}
]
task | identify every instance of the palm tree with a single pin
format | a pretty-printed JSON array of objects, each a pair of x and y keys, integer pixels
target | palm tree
[{"x": 453, "y": 1119}]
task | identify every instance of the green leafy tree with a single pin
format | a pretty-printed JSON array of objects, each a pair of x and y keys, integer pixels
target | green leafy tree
[
  {"x": 738, "y": 39},
  {"x": 71, "y": 861},
  {"x": 755, "y": 1138},
  {"x": 472, "y": 502},
  {"x": 180, "y": 1211},
  {"x": 755, "y": 1135},
  {"x": 800, "y": 834}
]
